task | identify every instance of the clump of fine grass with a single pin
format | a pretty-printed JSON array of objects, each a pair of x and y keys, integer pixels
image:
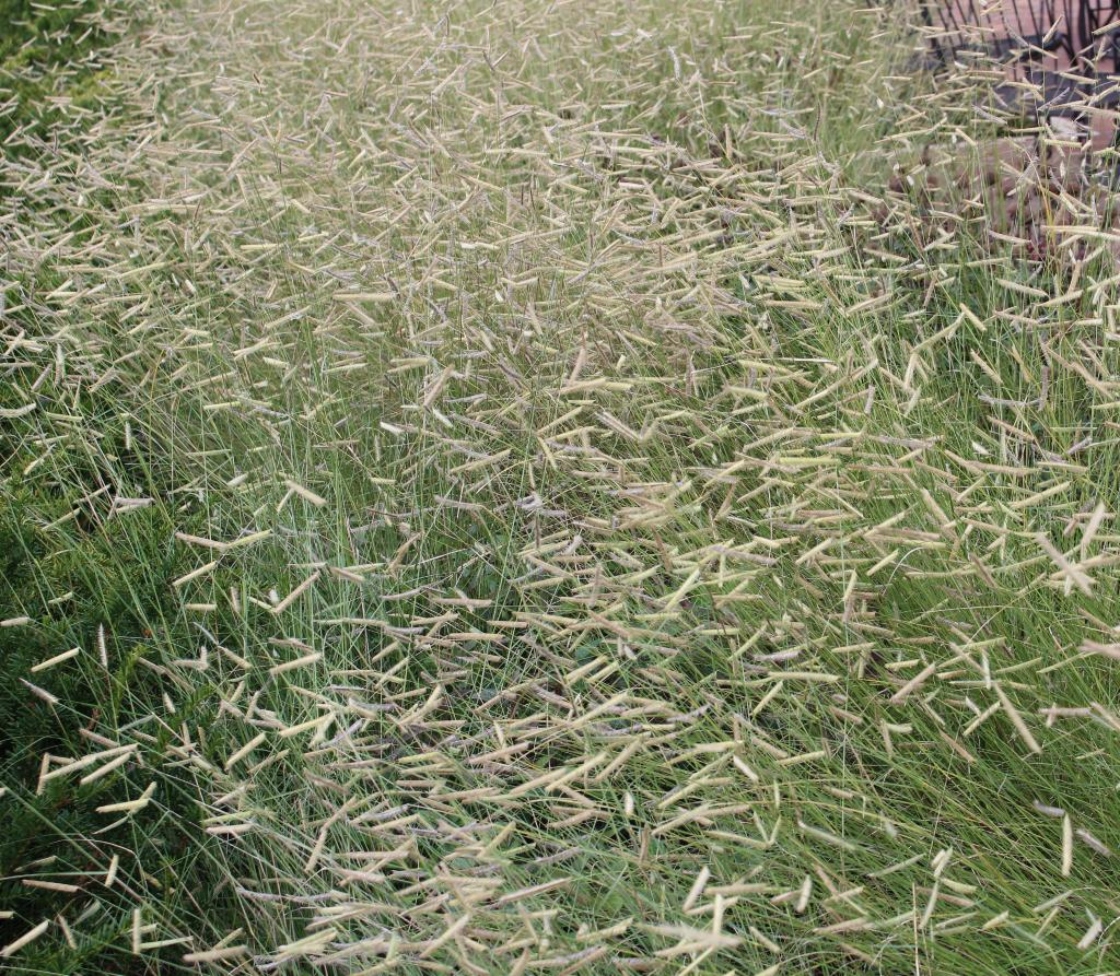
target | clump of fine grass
[
  {"x": 519, "y": 489},
  {"x": 51, "y": 73}
]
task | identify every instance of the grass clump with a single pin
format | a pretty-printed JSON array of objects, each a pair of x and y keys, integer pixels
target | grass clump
[
  {"x": 600, "y": 494},
  {"x": 50, "y": 67}
]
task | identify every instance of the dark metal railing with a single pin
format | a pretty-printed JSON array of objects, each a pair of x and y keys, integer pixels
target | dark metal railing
[
  {"x": 1062, "y": 57},
  {"x": 1075, "y": 32}
]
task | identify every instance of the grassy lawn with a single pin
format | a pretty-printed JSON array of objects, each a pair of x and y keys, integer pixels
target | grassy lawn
[
  {"x": 50, "y": 66},
  {"x": 569, "y": 488}
]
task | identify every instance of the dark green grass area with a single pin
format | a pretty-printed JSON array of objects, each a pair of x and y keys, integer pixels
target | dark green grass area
[
  {"x": 52, "y": 85},
  {"x": 48, "y": 52}
]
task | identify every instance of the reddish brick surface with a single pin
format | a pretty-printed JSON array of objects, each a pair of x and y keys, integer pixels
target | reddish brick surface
[
  {"x": 1001, "y": 18},
  {"x": 969, "y": 21}
]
